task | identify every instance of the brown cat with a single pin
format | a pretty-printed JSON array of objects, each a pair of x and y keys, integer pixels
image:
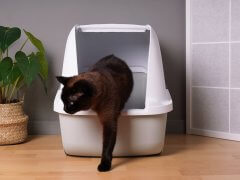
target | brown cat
[{"x": 105, "y": 88}]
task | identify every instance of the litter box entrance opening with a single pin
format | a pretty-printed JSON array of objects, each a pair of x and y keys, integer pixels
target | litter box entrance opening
[{"x": 132, "y": 47}]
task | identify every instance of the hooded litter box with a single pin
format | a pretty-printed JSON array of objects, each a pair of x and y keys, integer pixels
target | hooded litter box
[{"x": 141, "y": 127}]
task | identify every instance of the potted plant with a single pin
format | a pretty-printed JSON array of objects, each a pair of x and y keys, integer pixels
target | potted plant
[{"x": 15, "y": 73}]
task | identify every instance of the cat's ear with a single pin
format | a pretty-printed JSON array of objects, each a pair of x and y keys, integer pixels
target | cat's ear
[{"x": 63, "y": 80}]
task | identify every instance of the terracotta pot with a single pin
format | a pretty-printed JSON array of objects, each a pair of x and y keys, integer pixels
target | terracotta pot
[{"x": 13, "y": 123}]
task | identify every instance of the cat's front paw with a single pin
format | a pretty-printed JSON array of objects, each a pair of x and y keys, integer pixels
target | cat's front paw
[{"x": 102, "y": 167}]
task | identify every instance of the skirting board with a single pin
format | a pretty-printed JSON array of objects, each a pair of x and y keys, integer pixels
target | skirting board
[
  {"x": 51, "y": 127},
  {"x": 215, "y": 134}
]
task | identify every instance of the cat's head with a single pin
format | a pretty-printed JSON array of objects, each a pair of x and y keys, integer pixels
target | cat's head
[{"x": 76, "y": 95}]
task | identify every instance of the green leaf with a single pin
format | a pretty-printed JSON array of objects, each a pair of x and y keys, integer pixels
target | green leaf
[
  {"x": 5, "y": 68},
  {"x": 43, "y": 65},
  {"x": 22, "y": 62},
  {"x": 34, "y": 65},
  {"x": 33, "y": 68},
  {"x": 36, "y": 42},
  {"x": 29, "y": 66},
  {"x": 14, "y": 74},
  {"x": 43, "y": 74},
  {"x": 9, "y": 71},
  {"x": 2, "y": 34},
  {"x": 44, "y": 82},
  {"x": 10, "y": 36},
  {"x": 20, "y": 82}
]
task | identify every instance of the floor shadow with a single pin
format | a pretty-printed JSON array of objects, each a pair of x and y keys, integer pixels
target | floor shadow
[
  {"x": 30, "y": 138},
  {"x": 128, "y": 159},
  {"x": 123, "y": 159}
]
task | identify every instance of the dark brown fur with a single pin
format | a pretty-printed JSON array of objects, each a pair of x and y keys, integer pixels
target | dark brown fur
[{"x": 105, "y": 88}]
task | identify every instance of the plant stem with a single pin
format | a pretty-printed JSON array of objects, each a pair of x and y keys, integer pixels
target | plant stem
[
  {"x": 1, "y": 55},
  {"x": 6, "y": 92},
  {"x": 13, "y": 89},
  {"x": 7, "y": 52},
  {"x": 23, "y": 44},
  {"x": 1, "y": 95},
  {"x": 19, "y": 85},
  {"x": 3, "y": 92}
]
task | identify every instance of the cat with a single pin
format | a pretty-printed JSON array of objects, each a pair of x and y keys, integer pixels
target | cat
[{"x": 105, "y": 89}]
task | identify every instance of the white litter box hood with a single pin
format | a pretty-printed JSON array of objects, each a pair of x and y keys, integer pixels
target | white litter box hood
[{"x": 156, "y": 97}]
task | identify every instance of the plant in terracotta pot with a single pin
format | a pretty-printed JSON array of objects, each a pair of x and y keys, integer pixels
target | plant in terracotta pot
[{"x": 16, "y": 73}]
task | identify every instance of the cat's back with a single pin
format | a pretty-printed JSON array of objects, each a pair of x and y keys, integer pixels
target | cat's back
[
  {"x": 117, "y": 70},
  {"x": 112, "y": 64}
]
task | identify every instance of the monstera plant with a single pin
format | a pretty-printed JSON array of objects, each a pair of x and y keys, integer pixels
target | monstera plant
[
  {"x": 21, "y": 70},
  {"x": 15, "y": 73}
]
